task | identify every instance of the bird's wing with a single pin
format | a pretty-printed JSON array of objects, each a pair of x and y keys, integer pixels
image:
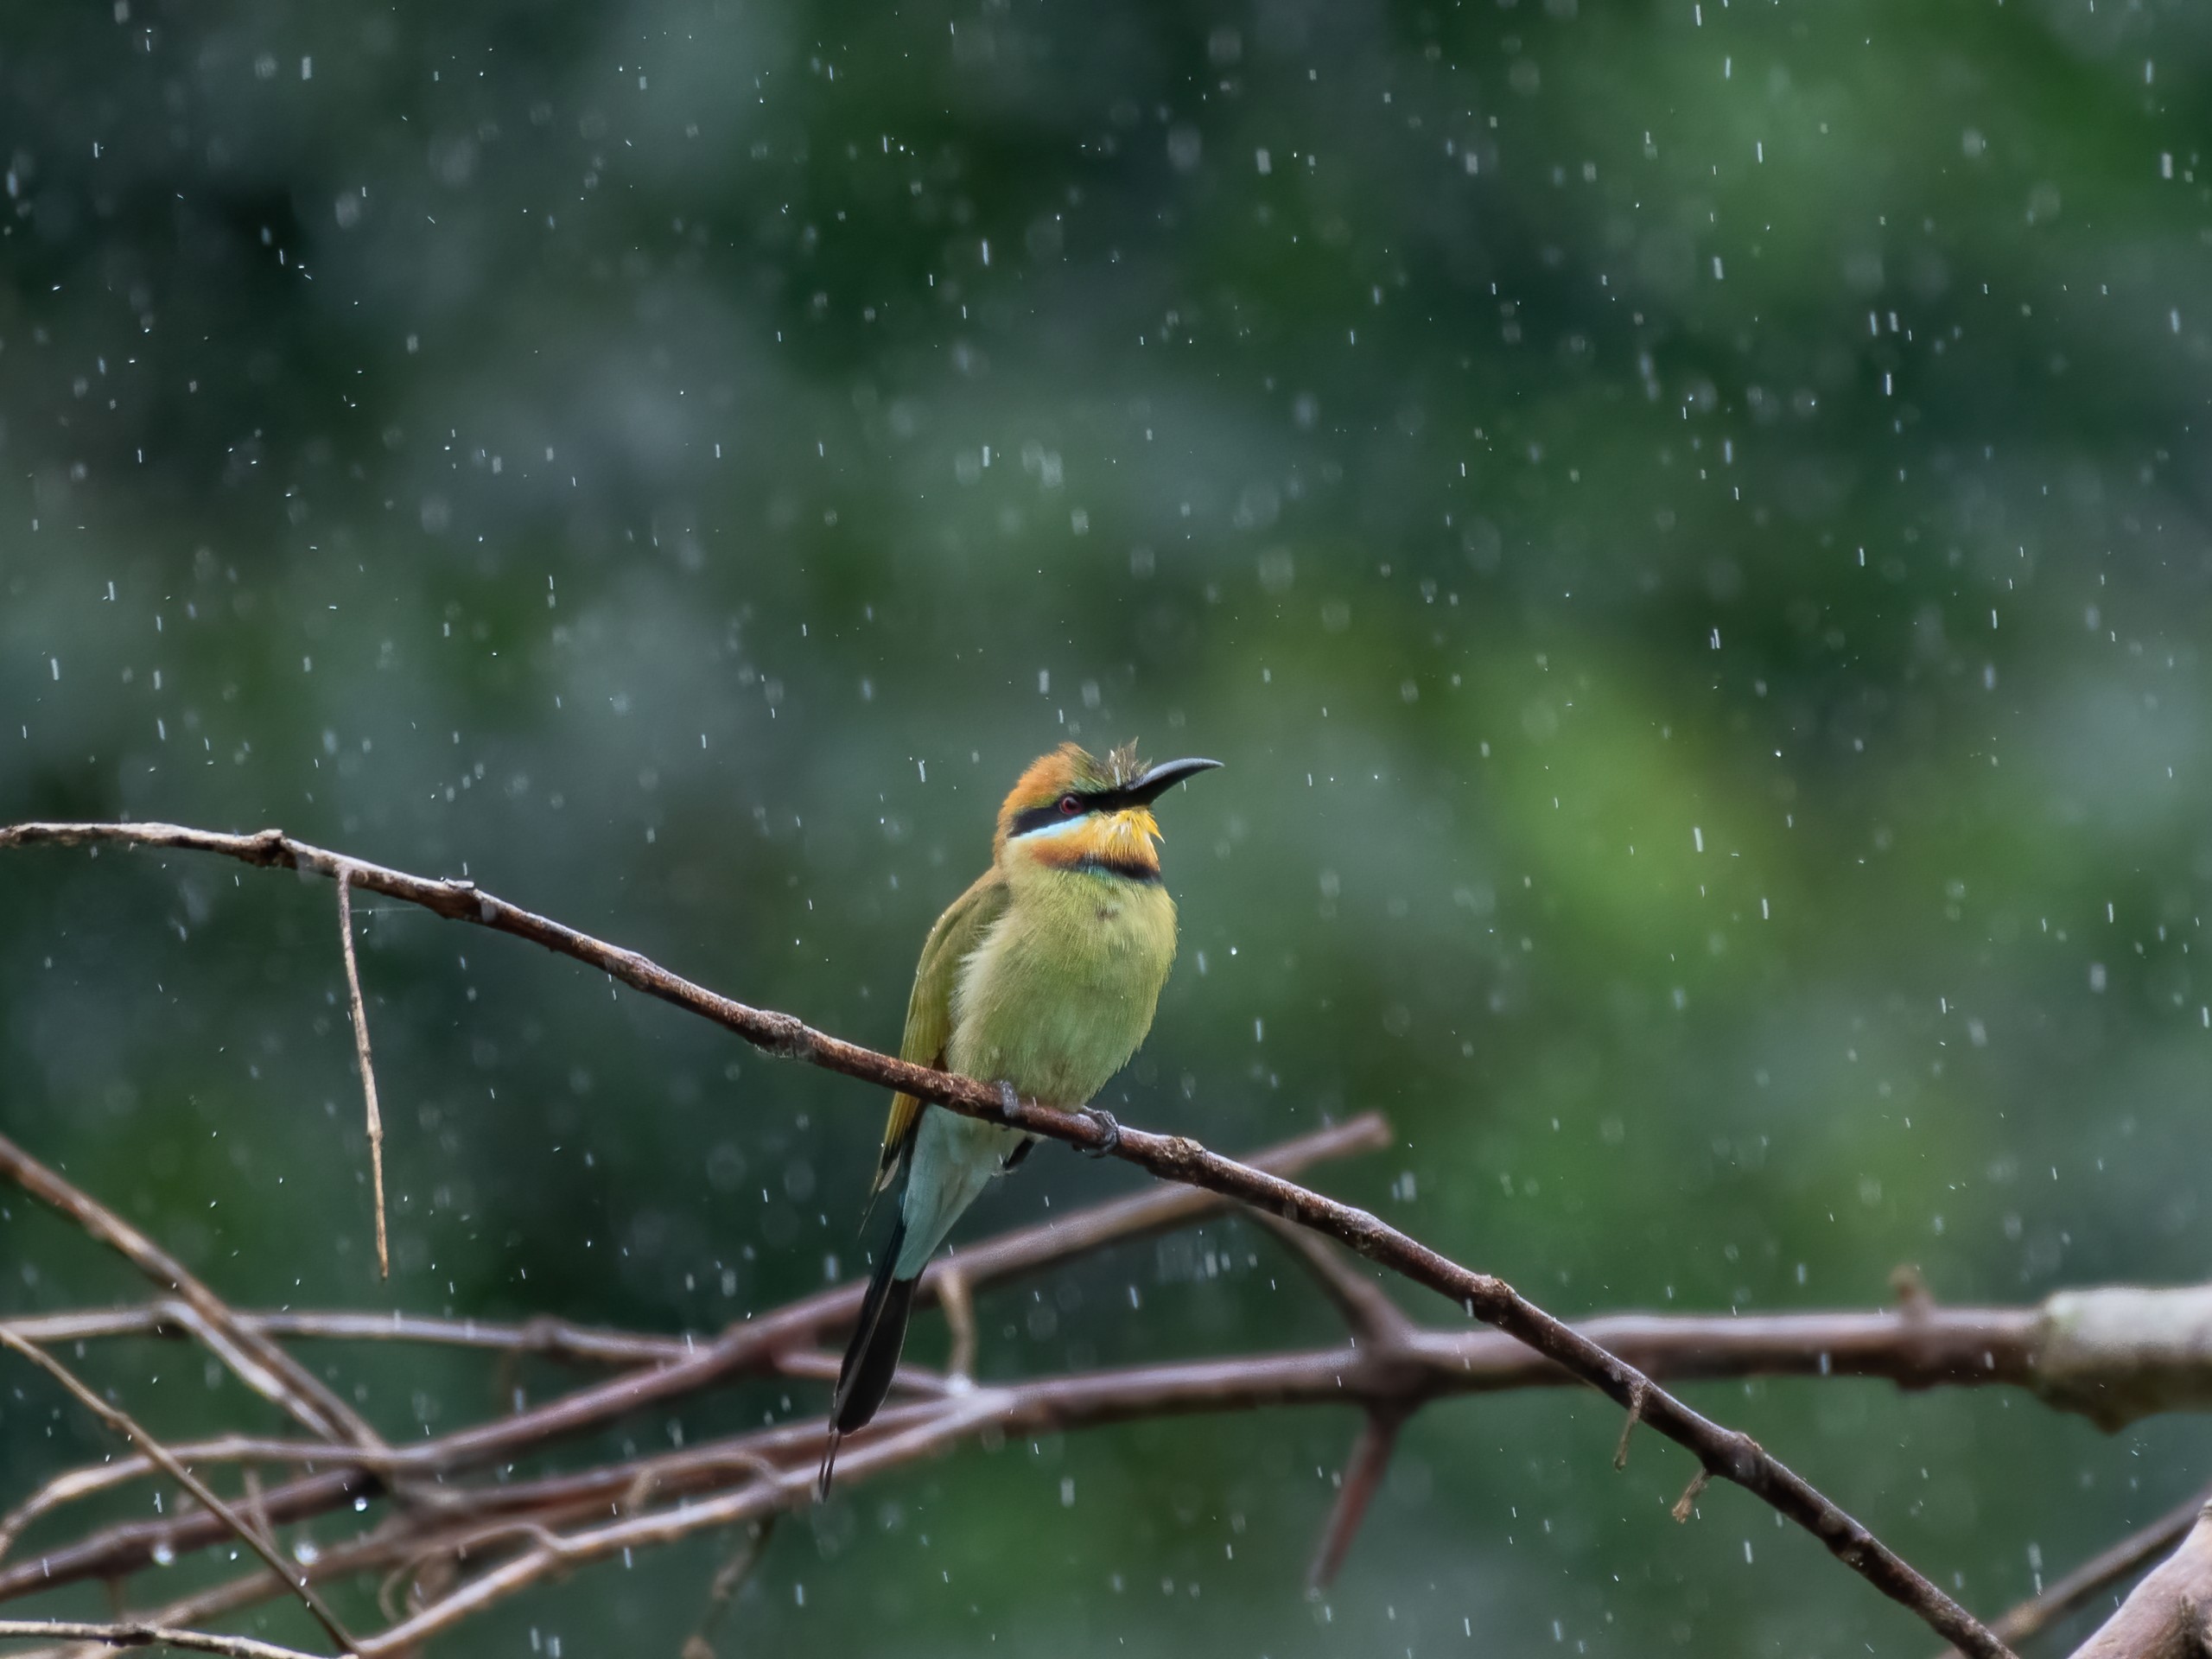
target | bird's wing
[{"x": 928, "y": 1009}]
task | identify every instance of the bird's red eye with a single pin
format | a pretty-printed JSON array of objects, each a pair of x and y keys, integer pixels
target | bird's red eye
[{"x": 1070, "y": 805}]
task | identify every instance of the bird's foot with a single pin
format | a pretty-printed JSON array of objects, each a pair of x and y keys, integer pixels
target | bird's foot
[
  {"x": 1104, "y": 1120},
  {"x": 1009, "y": 1099}
]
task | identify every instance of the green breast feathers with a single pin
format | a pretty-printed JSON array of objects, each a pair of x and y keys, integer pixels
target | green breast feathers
[{"x": 1061, "y": 989}]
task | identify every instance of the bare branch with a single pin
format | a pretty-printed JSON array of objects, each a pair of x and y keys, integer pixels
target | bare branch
[
  {"x": 683, "y": 1365},
  {"x": 259, "y": 1362},
  {"x": 1434, "y": 1364},
  {"x": 1728, "y": 1453},
  {"x": 76, "y": 1485},
  {"x": 763, "y": 1496},
  {"x": 2166, "y": 1616},
  {"x": 2063, "y": 1594},
  {"x": 121, "y": 1421},
  {"x": 360, "y": 1013},
  {"x": 1954, "y": 1345},
  {"x": 2119, "y": 1353},
  {"x": 1020, "y": 1250},
  {"x": 1448, "y": 1362},
  {"x": 1966, "y": 1345},
  {"x": 143, "y": 1636}
]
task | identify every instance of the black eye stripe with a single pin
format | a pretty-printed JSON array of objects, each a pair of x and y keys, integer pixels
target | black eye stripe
[{"x": 1040, "y": 818}]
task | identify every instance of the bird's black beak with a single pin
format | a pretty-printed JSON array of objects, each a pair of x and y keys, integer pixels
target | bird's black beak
[{"x": 1162, "y": 777}]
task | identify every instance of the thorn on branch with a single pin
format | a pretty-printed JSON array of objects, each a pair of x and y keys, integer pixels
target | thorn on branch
[
  {"x": 1686, "y": 1504},
  {"x": 1356, "y": 1487},
  {"x": 1635, "y": 1416},
  {"x": 368, "y": 1070}
]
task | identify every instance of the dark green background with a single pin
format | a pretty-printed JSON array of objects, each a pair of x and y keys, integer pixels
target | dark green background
[{"x": 1688, "y": 528}]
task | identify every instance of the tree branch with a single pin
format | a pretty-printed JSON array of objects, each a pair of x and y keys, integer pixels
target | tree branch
[
  {"x": 761, "y": 1496},
  {"x": 679, "y": 1364},
  {"x": 2063, "y": 1594},
  {"x": 121, "y": 1421},
  {"x": 258, "y": 1363},
  {"x": 1719, "y": 1451},
  {"x": 1969, "y": 1346},
  {"x": 2167, "y": 1616},
  {"x": 1938, "y": 1346},
  {"x": 1019, "y": 1251},
  {"x": 359, "y": 1011},
  {"x": 143, "y": 1636}
]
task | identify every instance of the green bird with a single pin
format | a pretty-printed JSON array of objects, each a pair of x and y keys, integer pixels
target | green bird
[{"x": 1042, "y": 978}]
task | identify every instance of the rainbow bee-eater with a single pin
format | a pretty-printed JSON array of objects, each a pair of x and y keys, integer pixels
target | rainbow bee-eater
[{"x": 1042, "y": 979}]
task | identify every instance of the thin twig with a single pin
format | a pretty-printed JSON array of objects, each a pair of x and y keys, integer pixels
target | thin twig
[
  {"x": 1721, "y": 1450},
  {"x": 1628, "y": 1427},
  {"x": 2067, "y": 1592},
  {"x": 258, "y": 1362},
  {"x": 130, "y": 1635},
  {"x": 1686, "y": 1505},
  {"x": 727, "y": 1583},
  {"x": 405, "y": 1538},
  {"x": 2166, "y": 1616},
  {"x": 122, "y": 1422},
  {"x": 760, "y": 1498},
  {"x": 960, "y": 1315},
  {"x": 75, "y": 1485},
  {"x": 360, "y": 1013}
]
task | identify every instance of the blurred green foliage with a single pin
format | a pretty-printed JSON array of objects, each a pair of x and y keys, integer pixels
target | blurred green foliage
[{"x": 1686, "y": 521}]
